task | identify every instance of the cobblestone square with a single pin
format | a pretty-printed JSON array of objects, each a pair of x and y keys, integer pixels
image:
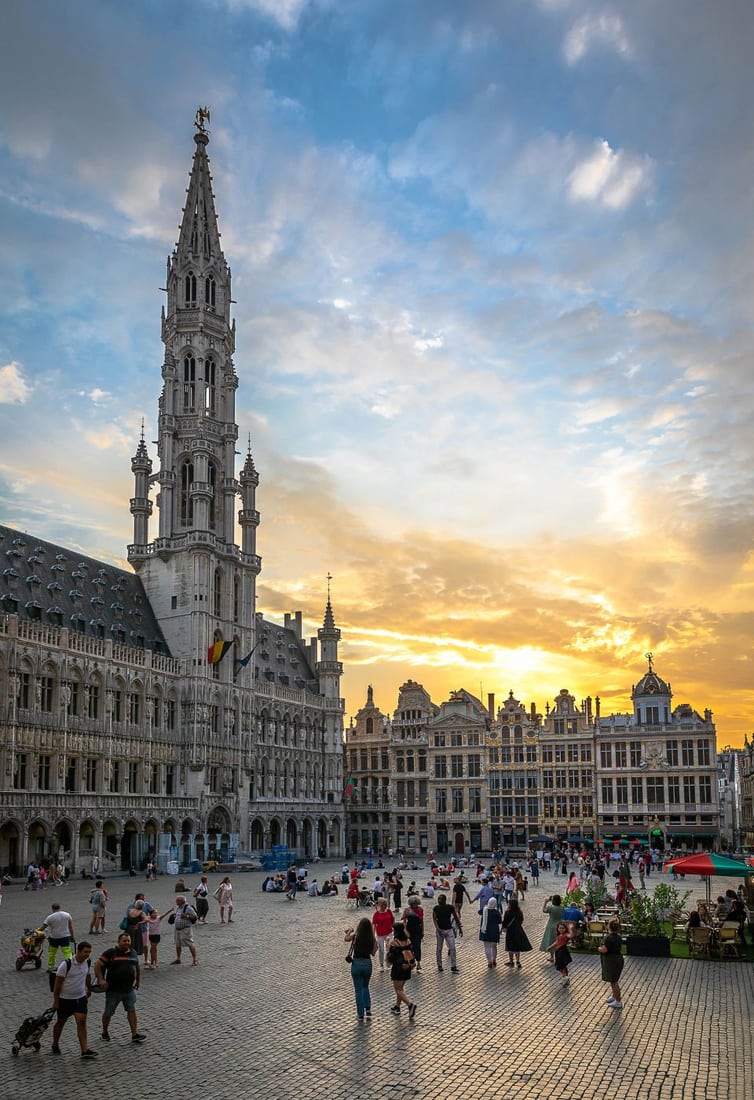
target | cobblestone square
[{"x": 270, "y": 1011}]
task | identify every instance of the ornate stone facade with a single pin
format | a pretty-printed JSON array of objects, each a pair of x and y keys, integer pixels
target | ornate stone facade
[{"x": 156, "y": 713}]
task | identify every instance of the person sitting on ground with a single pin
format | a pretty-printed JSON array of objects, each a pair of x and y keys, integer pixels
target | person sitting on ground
[{"x": 313, "y": 888}]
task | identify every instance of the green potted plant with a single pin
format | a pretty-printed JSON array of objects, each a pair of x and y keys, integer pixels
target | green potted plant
[{"x": 647, "y": 935}]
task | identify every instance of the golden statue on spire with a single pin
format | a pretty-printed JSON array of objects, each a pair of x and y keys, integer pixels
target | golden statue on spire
[
  {"x": 650, "y": 659},
  {"x": 202, "y": 116}
]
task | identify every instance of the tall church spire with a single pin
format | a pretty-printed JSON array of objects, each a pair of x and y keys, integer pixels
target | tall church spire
[{"x": 194, "y": 568}]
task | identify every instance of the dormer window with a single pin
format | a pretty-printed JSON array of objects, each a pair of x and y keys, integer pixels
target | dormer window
[{"x": 190, "y": 289}]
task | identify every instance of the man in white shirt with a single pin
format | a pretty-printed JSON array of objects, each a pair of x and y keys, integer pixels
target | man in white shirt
[
  {"x": 59, "y": 928},
  {"x": 70, "y": 997}
]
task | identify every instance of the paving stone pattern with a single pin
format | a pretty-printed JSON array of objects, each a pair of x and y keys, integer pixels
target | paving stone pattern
[{"x": 270, "y": 1011}]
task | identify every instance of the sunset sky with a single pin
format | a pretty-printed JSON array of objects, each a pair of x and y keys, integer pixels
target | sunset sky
[{"x": 493, "y": 269}]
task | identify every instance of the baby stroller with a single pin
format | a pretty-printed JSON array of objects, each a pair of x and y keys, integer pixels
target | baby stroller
[
  {"x": 31, "y": 1031},
  {"x": 31, "y": 948}
]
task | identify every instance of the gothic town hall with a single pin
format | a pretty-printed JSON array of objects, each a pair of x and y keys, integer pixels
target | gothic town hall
[{"x": 154, "y": 712}]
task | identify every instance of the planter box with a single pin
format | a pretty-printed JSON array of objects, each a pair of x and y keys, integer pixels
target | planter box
[{"x": 656, "y": 947}]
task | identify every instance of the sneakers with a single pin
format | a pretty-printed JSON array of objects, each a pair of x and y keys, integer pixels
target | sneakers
[
  {"x": 617, "y": 1004},
  {"x": 368, "y": 1014},
  {"x": 396, "y": 1009},
  {"x": 440, "y": 970},
  {"x": 509, "y": 964},
  {"x": 565, "y": 982},
  {"x": 88, "y": 1055},
  {"x": 412, "y": 1011},
  {"x": 138, "y": 1038},
  {"x": 55, "y": 1049},
  {"x": 454, "y": 970},
  {"x": 610, "y": 1001},
  {"x": 106, "y": 1036}
]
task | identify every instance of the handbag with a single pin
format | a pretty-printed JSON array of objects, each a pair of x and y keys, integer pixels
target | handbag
[
  {"x": 124, "y": 925},
  {"x": 349, "y": 956}
]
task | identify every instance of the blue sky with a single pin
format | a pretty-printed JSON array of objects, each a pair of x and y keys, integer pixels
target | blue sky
[{"x": 493, "y": 272}]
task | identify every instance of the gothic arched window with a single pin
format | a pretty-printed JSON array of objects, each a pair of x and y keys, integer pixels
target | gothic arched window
[
  {"x": 217, "y": 594},
  {"x": 213, "y": 494},
  {"x": 189, "y": 382},
  {"x": 210, "y": 291},
  {"x": 186, "y": 504},
  {"x": 209, "y": 386},
  {"x": 190, "y": 288}
]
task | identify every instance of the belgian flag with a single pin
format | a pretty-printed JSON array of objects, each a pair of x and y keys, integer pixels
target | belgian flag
[{"x": 217, "y": 651}]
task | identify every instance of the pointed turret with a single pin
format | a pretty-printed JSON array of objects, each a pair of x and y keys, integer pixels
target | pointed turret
[
  {"x": 141, "y": 505},
  {"x": 248, "y": 517},
  {"x": 329, "y": 668}
]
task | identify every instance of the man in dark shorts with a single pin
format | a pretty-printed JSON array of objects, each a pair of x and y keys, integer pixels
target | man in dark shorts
[
  {"x": 119, "y": 976},
  {"x": 70, "y": 996},
  {"x": 458, "y": 893}
]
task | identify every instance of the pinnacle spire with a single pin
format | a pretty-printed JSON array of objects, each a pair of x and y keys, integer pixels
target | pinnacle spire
[{"x": 199, "y": 236}]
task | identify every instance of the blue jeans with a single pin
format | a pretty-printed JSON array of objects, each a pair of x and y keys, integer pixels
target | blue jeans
[{"x": 361, "y": 972}]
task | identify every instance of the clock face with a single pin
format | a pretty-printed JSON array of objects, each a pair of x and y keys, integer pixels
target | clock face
[{"x": 651, "y": 688}]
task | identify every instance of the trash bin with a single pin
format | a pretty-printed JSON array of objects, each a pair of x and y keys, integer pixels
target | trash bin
[
  {"x": 172, "y": 867},
  {"x": 195, "y": 867}
]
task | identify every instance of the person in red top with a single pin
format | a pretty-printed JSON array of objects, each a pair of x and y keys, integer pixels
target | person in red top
[{"x": 382, "y": 922}]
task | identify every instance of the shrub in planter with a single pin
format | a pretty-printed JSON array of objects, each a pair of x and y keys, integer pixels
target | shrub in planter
[{"x": 647, "y": 935}]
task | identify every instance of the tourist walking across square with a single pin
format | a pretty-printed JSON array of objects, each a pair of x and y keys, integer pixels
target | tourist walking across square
[{"x": 119, "y": 975}]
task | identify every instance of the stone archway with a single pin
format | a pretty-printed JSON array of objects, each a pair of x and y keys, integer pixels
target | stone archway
[
  {"x": 257, "y": 835},
  {"x": 306, "y": 839},
  {"x": 87, "y": 843},
  {"x": 291, "y": 834},
  {"x": 129, "y": 846},
  {"x": 39, "y": 844},
  {"x": 10, "y": 848},
  {"x": 274, "y": 833},
  {"x": 110, "y": 844}
]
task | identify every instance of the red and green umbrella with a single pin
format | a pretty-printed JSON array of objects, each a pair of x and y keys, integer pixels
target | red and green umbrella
[{"x": 707, "y": 864}]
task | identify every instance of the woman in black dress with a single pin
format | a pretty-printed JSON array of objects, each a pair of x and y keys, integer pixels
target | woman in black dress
[
  {"x": 402, "y": 962},
  {"x": 516, "y": 939}
]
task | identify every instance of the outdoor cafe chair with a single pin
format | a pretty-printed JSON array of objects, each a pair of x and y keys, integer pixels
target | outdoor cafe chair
[
  {"x": 727, "y": 937},
  {"x": 595, "y": 930},
  {"x": 700, "y": 940}
]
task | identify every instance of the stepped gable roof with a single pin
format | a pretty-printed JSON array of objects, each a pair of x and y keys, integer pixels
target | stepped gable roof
[
  {"x": 281, "y": 658},
  {"x": 56, "y": 586}
]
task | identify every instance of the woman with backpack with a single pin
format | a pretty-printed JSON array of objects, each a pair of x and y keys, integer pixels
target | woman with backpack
[{"x": 402, "y": 962}]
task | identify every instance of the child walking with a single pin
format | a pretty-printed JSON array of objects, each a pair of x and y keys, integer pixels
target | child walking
[
  {"x": 560, "y": 952},
  {"x": 612, "y": 963}
]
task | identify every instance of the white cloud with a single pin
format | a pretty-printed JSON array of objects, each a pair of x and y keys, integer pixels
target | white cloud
[
  {"x": 604, "y": 29},
  {"x": 610, "y": 178},
  {"x": 284, "y": 12},
  {"x": 14, "y": 389}
]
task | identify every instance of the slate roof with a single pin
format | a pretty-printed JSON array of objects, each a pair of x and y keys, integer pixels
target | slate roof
[
  {"x": 281, "y": 658},
  {"x": 51, "y": 584}
]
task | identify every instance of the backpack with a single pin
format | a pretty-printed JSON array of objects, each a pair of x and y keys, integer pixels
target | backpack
[
  {"x": 68, "y": 965},
  {"x": 394, "y": 953}
]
